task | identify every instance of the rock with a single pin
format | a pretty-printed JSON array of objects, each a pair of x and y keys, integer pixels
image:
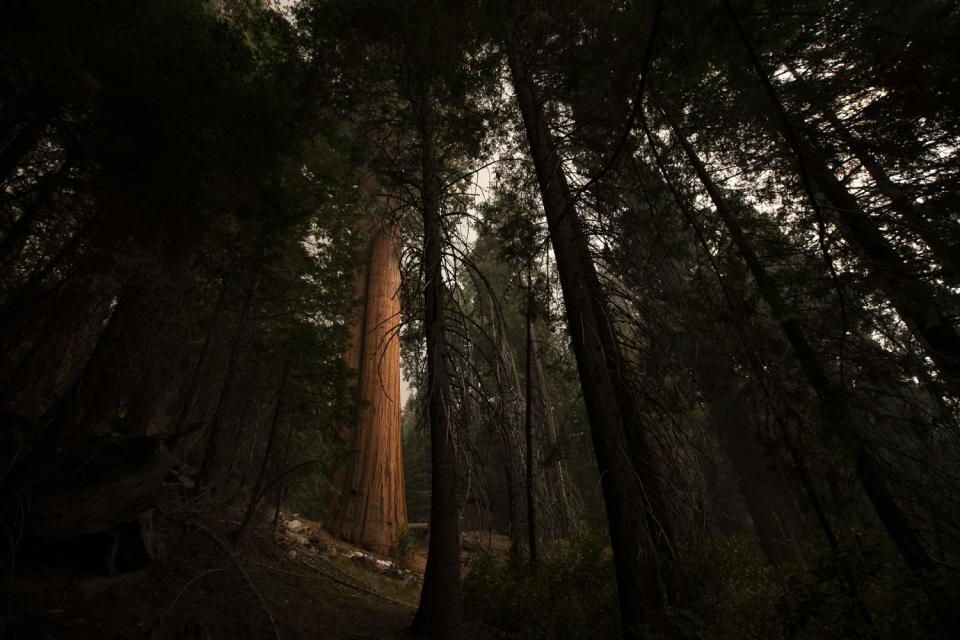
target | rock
[
  {"x": 362, "y": 560},
  {"x": 292, "y": 554},
  {"x": 297, "y": 538},
  {"x": 294, "y": 525}
]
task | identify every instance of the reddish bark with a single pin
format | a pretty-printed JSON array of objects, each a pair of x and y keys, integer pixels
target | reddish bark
[{"x": 372, "y": 509}]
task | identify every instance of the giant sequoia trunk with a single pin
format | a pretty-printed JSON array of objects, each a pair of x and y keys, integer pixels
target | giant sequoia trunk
[
  {"x": 635, "y": 503},
  {"x": 371, "y": 509}
]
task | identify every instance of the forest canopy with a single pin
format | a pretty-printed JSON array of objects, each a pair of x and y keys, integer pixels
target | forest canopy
[{"x": 667, "y": 293}]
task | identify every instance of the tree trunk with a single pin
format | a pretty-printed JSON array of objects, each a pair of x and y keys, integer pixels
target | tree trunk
[
  {"x": 508, "y": 428},
  {"x": 352, "y": 355},
  {"x": 372, "y": 509},
  {"x": 777, "y": 523},
  {"x": 558, "y": 485},
  {"x": 214, "y": 444},
  {"x": 912, "y": 297},
  {"x": 439, "y": 613},
  {"x": 257, "y": 490},
  {"x": 636, "y": 507},
  {"x": 776, "y": 520},
  {"x": 915, "y": 219},
  {"x": 835, "y": 421},
  {"x": 533, "y": 542}
]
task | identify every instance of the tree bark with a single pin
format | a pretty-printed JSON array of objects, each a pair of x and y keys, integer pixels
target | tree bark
[
  {"x": 372, "y": 509},
  {"x": 912, "y": 297},
  {"x": 555, "y": 471},
  {"x": 834, "y": 418},
  {"x": 439, "y": 613},
  {"x": 635, "y": 503}
]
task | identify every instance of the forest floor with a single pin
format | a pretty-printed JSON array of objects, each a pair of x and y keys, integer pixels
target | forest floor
[{"x": 292, "y": 581}]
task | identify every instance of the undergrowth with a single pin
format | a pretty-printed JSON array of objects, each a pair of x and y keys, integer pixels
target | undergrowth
[{"x": 732, "y": 594}]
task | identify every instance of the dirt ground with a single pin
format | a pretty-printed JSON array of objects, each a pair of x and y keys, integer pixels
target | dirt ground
[
  {"x": 293, "y": 581},
  {"x": 276, "y": 584}
]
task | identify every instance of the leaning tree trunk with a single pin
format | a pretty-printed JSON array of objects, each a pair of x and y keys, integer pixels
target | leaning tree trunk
[
  {"x": 634, "y": 499},
  {"x": 941, "y": 248},
  {"x": 439, "y": 613},
  {"x": 533, "y": 542},
  {"x": 835, "y": 421},
  {"x": 914, "y": 299},
  {"x": 776, "y": 521},
  {"x": 372, "y": 509}
]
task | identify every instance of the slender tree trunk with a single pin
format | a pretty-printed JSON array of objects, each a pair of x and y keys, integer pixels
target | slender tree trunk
[
  {"x": 942, "y": 249},
  {"x": 914, "y": 218},
  {"x": 777, "y": 523},
  {"x": 635, "y": 503},
  {"x": 439, "y": 611},
  {"x": 282, "y": 484},
  {"x": 508, "y": 429},
  {"x": 532, "y": 540},
  {"x": 555, "y": 472},
  {"x": 213, "y": 443}
]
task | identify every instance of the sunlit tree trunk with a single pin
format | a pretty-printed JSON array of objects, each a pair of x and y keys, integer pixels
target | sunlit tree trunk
[{"x": 372, "y": 509}]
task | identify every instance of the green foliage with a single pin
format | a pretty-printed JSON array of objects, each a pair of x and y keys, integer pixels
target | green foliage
[
  {"x": 825, "y": 597},
  {"x": 572, "y": 595},
  {"x": 734, "y": 594},
  {"x": 416, "y": 460},
  {"x": 402, "y": 549}
]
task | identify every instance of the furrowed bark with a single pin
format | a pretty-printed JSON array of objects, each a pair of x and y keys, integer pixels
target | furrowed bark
[{"x": 372, "y": 509}]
